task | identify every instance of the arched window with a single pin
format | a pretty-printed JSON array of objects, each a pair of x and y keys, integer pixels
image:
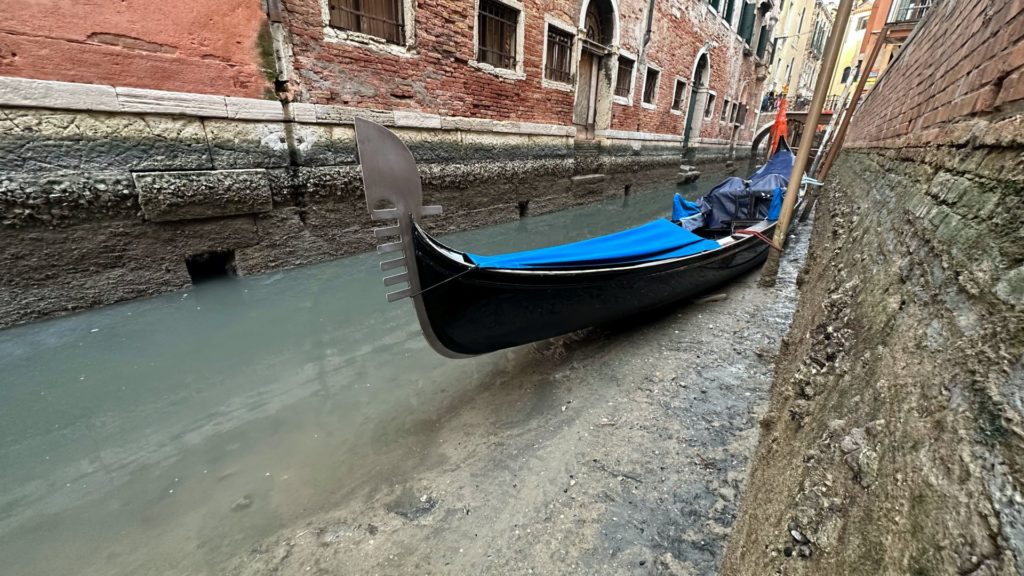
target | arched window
[{"x": 846, "y": 75}]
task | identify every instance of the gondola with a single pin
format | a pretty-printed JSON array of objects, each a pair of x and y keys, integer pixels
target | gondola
[{"x": 469, "y": 304}]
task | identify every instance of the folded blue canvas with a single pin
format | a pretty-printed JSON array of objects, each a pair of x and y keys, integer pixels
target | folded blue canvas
[
  {"x": 776, "y": 208},
  {"x": 683, "y": 208},
  {"x": 656, "y": 240}
]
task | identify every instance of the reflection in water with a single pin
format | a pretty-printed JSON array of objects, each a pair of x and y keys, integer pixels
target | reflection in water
[{"x": 168, "y": 435}]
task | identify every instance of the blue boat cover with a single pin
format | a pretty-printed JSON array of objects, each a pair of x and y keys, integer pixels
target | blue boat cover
[
  {"x": 776, "y": 208},
  {"x": 685, "y": 213},
  {"x": 657, "y": 240},
  {"x": 683, "y": 208},
  {"x": 780, "y": 163},
  {"x": 733, "y": 199}
]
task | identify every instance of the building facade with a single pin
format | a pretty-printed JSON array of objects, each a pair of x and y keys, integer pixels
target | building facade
[
  {"x": 614, "y": 70},
  {"x": 803, "y": 29},
  {"x": 894, "y": 20},
  {"x": 222, "y": 131},
  {"x": 849, "y": 53}
]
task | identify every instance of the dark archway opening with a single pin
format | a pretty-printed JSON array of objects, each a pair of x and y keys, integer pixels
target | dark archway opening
[{"x": 212, "y": 265}]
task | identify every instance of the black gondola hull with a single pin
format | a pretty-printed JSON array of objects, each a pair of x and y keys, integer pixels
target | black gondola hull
[{"x": 475, "y": 311}]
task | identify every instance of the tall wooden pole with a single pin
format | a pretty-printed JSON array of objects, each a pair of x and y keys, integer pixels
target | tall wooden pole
[
  {"x": 837, "y": 144},
  {"x": 828, "y": 67}
]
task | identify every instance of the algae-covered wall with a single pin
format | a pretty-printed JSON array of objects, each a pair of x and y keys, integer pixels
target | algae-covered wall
[{"x": 894, "y": 439}]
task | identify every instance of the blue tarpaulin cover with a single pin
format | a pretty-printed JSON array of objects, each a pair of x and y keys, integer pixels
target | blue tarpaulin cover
[
  {"x": 776, "y": 208},
  {"x": 662, "y": 239},
  {"x": 656, "y": 240},
  {"x": 780, "y": 163},
  {"x": 683, "y": 208},
  {"x": 685, "y": 213}
]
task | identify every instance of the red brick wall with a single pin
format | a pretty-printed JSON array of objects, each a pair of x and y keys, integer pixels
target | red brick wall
[
  {"x": 675, "y": 44},
  {"x": 437, "y": 77},
  {"x": 205, "y": 46},
  {"x": 945, "y": 75}
]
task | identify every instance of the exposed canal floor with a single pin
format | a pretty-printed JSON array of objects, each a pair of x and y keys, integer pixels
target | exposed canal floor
[{"x": 295, "y": 423}]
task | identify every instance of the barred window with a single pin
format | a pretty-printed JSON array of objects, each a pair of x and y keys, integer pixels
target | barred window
[
  {"x": 709, "y": 107},
  {"x": 497, "y": 25},
  {"x": 677, "y": 95},
  {"x": 651, "y": 86},
  {"x": 380, "y": 18},
  {"x": 559, "y": 55},
  {"x": 624, "y": 80}
]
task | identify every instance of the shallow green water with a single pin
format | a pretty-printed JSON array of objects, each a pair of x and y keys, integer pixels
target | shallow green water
[{"x": 171, "y": 434}]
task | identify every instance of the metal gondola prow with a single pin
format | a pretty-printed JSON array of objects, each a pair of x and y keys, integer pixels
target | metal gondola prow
[{"x": 394, "y": 193}]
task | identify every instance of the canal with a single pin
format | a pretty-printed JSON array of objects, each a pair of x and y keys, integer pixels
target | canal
[{"x": 172, "y": 435}]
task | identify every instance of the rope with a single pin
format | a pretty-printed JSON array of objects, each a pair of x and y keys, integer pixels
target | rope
[
  {"x": 463, "y": 273},
  {"x": 760, "y": 237}
]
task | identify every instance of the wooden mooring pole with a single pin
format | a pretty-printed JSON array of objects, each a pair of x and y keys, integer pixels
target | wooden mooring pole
[{"x": 828, "y": 67}]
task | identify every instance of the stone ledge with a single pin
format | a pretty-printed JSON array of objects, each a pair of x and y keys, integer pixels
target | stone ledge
[
  {"x": 24, "y": 92},
  {"x": 175, "y": 103},
  {"x": 642, "y": 136},
  {"x": 170, "y": 196},
  {"x": 252, "y": 109}
]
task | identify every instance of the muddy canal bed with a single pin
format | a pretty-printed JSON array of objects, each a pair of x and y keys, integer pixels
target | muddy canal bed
[
  {"x": 615, "y": 451},
  {"x": 295, "y": 423}
]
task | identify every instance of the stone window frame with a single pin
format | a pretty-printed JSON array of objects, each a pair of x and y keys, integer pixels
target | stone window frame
[
  {"x": 374, "y": 43},
  {"x": 520, "y": 71},
  {"x": 628, "y": 100},
  {"x": 725, "y": 111},
  {"x": 712, "y": 99},
  {"x": 653, "y": 105},
  {"x": 682, "y": 99},
  {"x": 550, "y": 21}
]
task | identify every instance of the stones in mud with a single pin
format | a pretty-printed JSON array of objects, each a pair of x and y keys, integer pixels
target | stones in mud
[
  {"x": 859, "y": 457},
  {"x": 243, "y": 503},
  {"x": 802, "y": 544},
  {"x": 687, "y": 174},
  {"x": 413, "y": 510},
  {"x": 798, "y": 536}
]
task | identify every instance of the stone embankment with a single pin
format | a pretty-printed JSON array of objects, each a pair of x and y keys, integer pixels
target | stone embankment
[
  {"x": 894, "y": 438},
  {"x": 105, "y": 192}
]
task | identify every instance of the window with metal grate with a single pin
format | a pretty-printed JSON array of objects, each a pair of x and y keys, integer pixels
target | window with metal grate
[
  {"x": 624, "y": 80},
  {"x": 559, "y": 55},
  {"x": 497, "y": 25},
  {"x": 381, "y": 18}
]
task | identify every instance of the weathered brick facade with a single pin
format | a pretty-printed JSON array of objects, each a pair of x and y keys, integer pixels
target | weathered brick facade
[
  {"x": 435, "y": 72},
  {"x": 940, "y": 96},
  {"x": 209, "y": 47}
]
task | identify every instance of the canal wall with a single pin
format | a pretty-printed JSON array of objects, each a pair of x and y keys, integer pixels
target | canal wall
[
  {"x": 894, "y": 439},
  {"x": 106, "y": 192}
]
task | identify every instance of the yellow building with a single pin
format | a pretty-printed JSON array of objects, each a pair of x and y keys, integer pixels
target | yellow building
[
  {"x": 850, "y": 51},
  {"x": 800, "y": 37}
]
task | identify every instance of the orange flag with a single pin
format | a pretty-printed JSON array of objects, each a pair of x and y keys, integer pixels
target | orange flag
[{"x": 780, "y": 127}]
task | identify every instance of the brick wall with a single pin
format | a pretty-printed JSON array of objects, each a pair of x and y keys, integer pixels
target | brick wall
[
  {"x": 946, "y": 76},
  {"x": 210, "y": 47},
  {"x": 435, "y": 75},
  {"x": 894, "y": 439}
]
